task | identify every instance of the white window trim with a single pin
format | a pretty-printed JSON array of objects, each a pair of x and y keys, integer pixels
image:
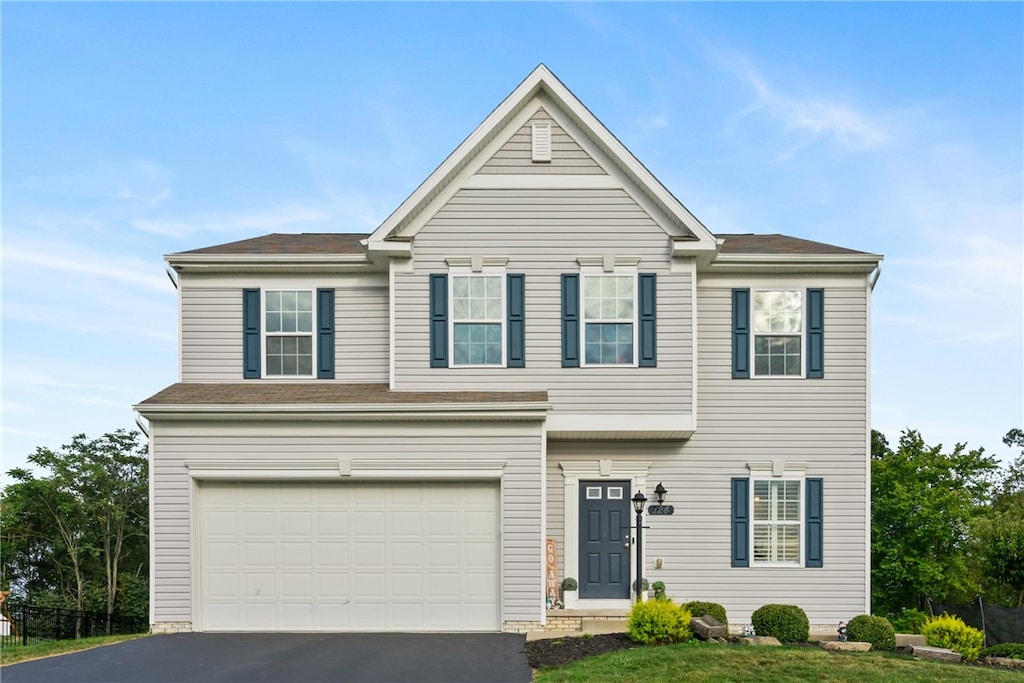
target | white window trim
[
  {"x": 264, "y": 334},
  {"x": 475, "y": 272},
  {"x": 802, "y": 334},
  {"x": 590, "y": 271},
  {"x": 779, "y": 471}
]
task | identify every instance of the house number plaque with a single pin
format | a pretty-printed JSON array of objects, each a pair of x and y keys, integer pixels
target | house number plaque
[{"x": 660, "y": 509}]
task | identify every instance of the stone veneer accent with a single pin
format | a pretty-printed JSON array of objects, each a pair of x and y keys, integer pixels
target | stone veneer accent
[{"x": 171, "y": 627}]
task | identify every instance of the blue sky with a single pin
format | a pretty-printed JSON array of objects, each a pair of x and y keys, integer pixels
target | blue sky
[{"x": 135, "y": 130}]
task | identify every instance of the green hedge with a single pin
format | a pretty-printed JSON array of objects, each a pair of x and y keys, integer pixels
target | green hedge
[
  {"x": 788, "y": 623},
  {"x": 875, "y": 630},
  {"x": 699, "y": 608},
  {"x": 1011, "y": 650},
  {"x": 951, "y": 632},
  {"x": 659, "y": 622}
]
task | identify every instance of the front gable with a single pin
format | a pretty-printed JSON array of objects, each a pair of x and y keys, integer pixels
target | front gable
[{"x": 583, "y": 155}]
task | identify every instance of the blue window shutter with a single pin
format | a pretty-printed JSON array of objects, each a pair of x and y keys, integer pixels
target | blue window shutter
[
  {"x": 741, "y": 334},
  {"x": 439, "y": 321},
  {"x": 570, "y": 320},
  {"x": 251, "y": 361},
  {"x": 815, "y": 333},
  {"x": 648, "y": 305},
  {"x": 815, "y": 508},
  {"x": 740, "y": 522},
  {"x": 325, "y": 334},
  {"x": 515, "y": 325}
]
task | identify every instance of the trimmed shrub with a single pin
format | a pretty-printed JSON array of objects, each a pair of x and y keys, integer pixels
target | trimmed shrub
[
  {"x": 875, "y": 630},
  {"x": 569, "y": 584},
  {"x": 788, "y": 623},
  {"x": 951, "y": 632},
  {"x": 909, "y": 620},
  {"x": 699, "y": 608},
  {"x": 1011, "y": 650},
  {"x": 659, "y": 590},
  {"x": 659, "y": 622}
]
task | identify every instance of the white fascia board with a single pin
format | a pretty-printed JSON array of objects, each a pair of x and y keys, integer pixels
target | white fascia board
[
  {"x": 793, "y": 263},
  {"x": 526, "y": 411},
  {"x": 268, "y": 262},
  {"x": 645, "y": 426}
]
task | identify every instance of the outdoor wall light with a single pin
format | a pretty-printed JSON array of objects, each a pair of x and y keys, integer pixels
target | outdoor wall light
[{"x": 660, "y": 492}]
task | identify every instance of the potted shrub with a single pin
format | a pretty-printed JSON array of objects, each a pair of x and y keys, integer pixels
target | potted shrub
[
  {"x": 569, "y": 587},
  {"x": 659, "y": 590}
]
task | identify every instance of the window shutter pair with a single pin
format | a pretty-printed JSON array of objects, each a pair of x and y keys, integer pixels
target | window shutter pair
[
  {"x": 813, "y": 522},
  {"x": 251, "y": 331},
  {"x": 741, "y": 330},
  {"x": 515, "y": 321},
  {"x": 647, "y": 288}
]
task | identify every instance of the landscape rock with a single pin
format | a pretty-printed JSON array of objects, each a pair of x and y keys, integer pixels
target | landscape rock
[
  {"x": 845, "y": 646},
  {"x": 759, "y": 640},
  {"x": 1007, "y": 662},
  {"x": 910, "y": 639},
  {"x": 940, "y": 653},
  {"x": 707, "y": 627}
]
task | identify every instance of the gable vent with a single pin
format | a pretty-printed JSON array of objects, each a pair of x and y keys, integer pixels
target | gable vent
[{"x": 541, "y": 141}]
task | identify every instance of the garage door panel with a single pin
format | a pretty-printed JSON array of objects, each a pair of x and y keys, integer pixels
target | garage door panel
[{"x": 373, "y": 556}]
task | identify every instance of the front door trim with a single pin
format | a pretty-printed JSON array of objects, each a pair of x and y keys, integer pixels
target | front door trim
[{"x": 599, "y": 469}]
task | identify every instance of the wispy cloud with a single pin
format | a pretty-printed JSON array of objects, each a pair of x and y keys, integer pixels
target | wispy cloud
[
  {"x": 271, "y": 219},
  {"x": 128, "y": 270},
  {"x": 141, "y": 183}
]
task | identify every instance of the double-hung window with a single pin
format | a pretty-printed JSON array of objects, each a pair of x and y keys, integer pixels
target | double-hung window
[
  {"x": 776, "y": 521},
  {"x": 609, "y": 319},
  {"x": 288, "y": 332},
  {"x": 478, "y": 319},
  {"x": 778, "y": 330}
]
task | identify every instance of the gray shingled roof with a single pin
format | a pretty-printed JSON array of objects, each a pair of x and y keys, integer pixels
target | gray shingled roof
[
  {"x": 778, "y": 244},
  {"x": 323, "y": 393},
  {"x": 280, "y": 243}
]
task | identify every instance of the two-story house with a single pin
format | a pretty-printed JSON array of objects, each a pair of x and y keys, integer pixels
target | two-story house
[{"x": 381, "y": 432}]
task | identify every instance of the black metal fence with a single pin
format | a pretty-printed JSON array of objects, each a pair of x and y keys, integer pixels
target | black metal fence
[{"x": 23, "y": 624}]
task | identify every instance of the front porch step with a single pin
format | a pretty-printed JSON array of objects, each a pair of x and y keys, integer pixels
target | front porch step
[{"x": 604, "y": 625}]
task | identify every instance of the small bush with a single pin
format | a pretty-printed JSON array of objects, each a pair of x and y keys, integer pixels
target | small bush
[
  {"x": 951, "y": 632},
  {"x": 659, "y": 622},
  {"x": 1011, "y": 650},
  {"x": 569, "y": 584},
  {"x": 875, "y": 630},
  {"x": 698, "y": 609},
  {"x": 788, "y": 623},
  {"x": 659, "y": 590},
  {"x": 909, "y": 620}
]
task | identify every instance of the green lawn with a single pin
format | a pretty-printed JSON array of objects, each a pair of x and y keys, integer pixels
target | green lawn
[
  {"x": 697, "y": 661},
  {"x": 11, "y": 654}
]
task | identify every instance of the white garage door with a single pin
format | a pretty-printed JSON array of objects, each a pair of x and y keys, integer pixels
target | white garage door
[{"x": 357, "y": 556}]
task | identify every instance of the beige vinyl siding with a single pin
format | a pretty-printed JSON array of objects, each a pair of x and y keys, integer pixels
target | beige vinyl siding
[
  {"x": 211, "y": 332},
  {"x": 822, "y": 422},
  {"x": 542, "y": 232},
  {"x": 519, "y": 445},
  {"x": 567, "y": 157}
]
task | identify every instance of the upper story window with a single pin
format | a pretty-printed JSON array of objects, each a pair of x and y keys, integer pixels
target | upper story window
[
  {"x": 777, "y": 521},
  {"x": 609, "y": 319},
  {"x": 778, "y": 330},
  {"x": 478, "y": 317},
  {"x": 288, "y": 332}
]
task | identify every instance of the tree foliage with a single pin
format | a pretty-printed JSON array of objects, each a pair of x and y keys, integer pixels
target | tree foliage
[
  {"x": 924, "y": 503},
  {"x": 78, "y": 535}
]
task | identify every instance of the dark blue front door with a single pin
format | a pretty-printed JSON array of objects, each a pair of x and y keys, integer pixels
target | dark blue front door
[{"x": 604, "y": 539}]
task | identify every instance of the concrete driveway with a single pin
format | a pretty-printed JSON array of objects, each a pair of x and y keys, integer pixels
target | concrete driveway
[{"x": 298, "y": 657}]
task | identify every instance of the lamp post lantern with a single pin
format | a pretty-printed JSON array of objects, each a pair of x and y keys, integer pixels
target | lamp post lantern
[{"x": 638, "y": 506}]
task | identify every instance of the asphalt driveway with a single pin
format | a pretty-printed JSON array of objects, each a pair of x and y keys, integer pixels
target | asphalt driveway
[{"x": 292, "y": 657}]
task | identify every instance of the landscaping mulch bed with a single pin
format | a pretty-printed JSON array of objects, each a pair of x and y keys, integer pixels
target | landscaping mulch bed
[{"x": 559, "y": 651}]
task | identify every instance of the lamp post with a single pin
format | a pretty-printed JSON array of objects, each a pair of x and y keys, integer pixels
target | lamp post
[{"x": 638, "y": 506}]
